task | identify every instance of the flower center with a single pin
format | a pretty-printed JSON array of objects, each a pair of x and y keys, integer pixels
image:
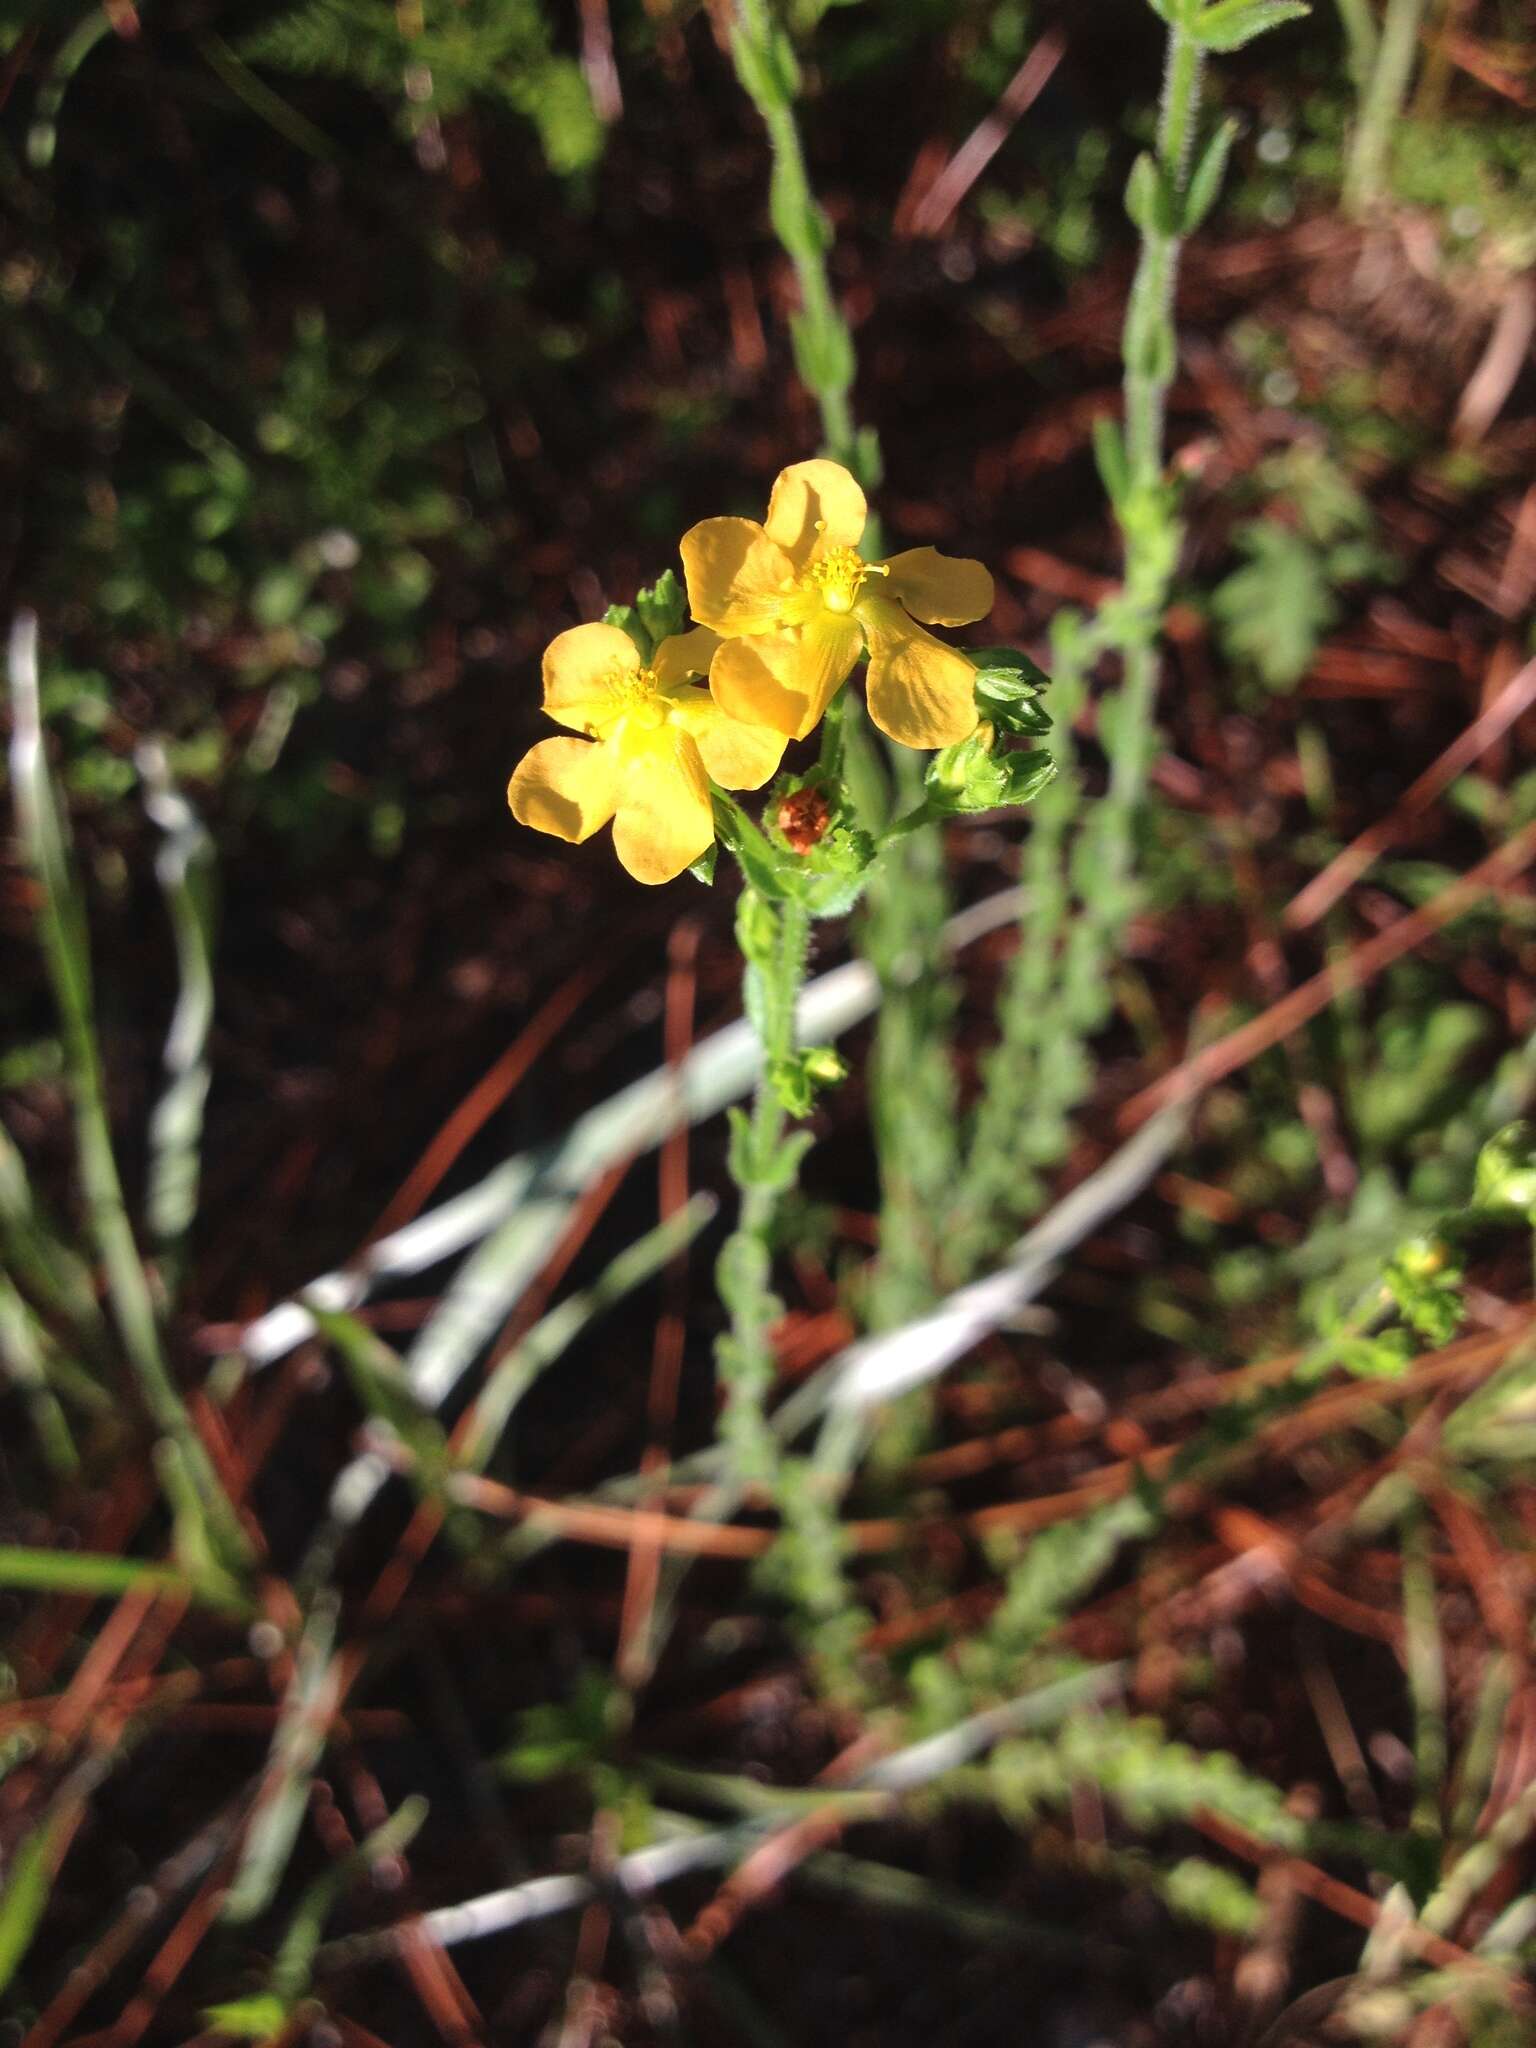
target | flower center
[
  {"x": 837, "y": 576},
  {"x": 630, "y": 697}
]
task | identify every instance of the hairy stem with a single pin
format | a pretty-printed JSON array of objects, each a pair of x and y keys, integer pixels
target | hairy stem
[
  {"x": 824, "y": 355},
  {"x": 1381, "y": 106}
]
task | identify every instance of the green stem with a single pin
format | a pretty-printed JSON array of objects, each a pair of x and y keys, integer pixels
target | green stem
[
  {"x": 824, "y": 355},
  {"x": 1362, "y": 39},
  {"x": 1381, "y": 106},
  {"x": 1152, "y": 533},
  {"x": 774, "y": 939},
  {"x": 1081, "y": 862},
  {"x": 1179, "y": 104},
  {"x": 829, "y": 764},
  {"x": 1151, "y": 355}
]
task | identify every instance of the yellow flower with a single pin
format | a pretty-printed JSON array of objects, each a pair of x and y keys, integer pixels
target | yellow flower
[
  {"x": 794, "y": 603},
  {"x": 653, "y": 740}
]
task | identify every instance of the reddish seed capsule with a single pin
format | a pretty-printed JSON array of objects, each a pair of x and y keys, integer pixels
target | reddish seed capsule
[{"x": 803, "y": 818}]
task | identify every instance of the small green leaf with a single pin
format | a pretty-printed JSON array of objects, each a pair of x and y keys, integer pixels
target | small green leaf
[
  {"x": 663, "y": 608},
  {"x": 1011, "y": 662},
  {"x": 703, "y": 869},
  {"x": 629, "y": 621},
  {"x": 1205, "y": 180},
  {"x": 1008, "y": 687},
  {"x": 1229, "y": 24},
  {"x": 1273, "y": 612},
  {"x": 798, "y": 1080},
  {"x": 1505, "y": 1178},
  {"x": 1110, "y": 456},
  {"x": 972, "y": 777},
  {"x": 823, "y": 351},
  {"x": 1149, "y": 199}
]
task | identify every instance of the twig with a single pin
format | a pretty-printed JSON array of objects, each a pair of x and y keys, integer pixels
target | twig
[
  {"x": 931, "y": 214},
  {"x": 1356, "y": 970}
]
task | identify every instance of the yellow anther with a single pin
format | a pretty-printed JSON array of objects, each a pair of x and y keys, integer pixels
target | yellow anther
[{"x": 838, "y": 576}]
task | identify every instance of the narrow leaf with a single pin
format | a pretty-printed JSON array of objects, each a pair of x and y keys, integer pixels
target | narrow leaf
[
  {"x": 184, "y": 868},
  {"x": 1205, "y": 181},
  {"x": 1232, "y": 23},
  {"x": 85, "y": 1571},
  {"x": 24, "y": 1898}
]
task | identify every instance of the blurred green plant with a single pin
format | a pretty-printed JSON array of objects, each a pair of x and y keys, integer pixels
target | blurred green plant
[
  {"x": 433, "y": 57},
  {"x": 1273, "y": 612}
]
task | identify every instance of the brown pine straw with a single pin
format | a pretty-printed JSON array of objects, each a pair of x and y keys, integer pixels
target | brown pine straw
[
  {"x": 1214, "y": 1062},
  {"x": 1352, "y": 1905},
  {"x": 633, "y": 1653},
  {"x": 482, "y": 1102},
  {"x": 930, "y": 211},
  {"x": 1346, "y": 868},
  {"x": 617, "y": 1528}
]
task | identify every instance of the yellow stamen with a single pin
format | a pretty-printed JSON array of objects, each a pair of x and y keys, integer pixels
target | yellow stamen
[
  {"x": 838, "y": 576},
  {"x": 634, "y": 697}
]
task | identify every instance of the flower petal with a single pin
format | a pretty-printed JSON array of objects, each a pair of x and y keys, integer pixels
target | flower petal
[
  {"x": 685, "y": 655},
  {"x": 568, "y": 787},
  {"x": 815, "y": 506},
  {"x": 737, "y": 578},
  {"x": 737, "y": 756},
  {"x": 579, "y": 665},
  {"x": 665, "y": 819},
  {"x": 941, "y": 590},
  {"x": 921, "y": 692},
  {"x": 786, "y": 680}
]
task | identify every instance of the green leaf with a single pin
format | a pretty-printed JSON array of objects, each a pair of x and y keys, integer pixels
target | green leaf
[
  {"x": 703, "y": 869},
  {"x": 1504, "y": 1180},
  {"x": 1231, "y": 23},
  {"x": 1000, "y": 662},
  {"x": 663, "y": 608},
  {"x": 626, "y": 617},
  {"x": 763, "y": 867},
  {"x": 1272, "y": 613},
  {"x": 1008, "y": 687},
  {"x": 823, "y": 351},
  {"x": 800, "y": 1078},
  {"x": 1205, "y": 180},
  {"x": 1149, "y": 199},
  {"x": 970, "y": 777},
  {"x": 1110, "y": 456}
]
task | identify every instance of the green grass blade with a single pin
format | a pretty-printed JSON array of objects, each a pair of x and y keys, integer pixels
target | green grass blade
[
  {"x": 554, "y": 1333},
  {"x": 297, "y": 1746},
  {"x": 25, "y": 1893},
  {"x": 88, "y": 1572},
  {"x": 54, "y": 1276},
  {"x": 66, "y": 949},
  {"x": 24, "y": 1356},
  {"x": 546, "y": 1342},
  {"x": 184, "y": 867}
]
